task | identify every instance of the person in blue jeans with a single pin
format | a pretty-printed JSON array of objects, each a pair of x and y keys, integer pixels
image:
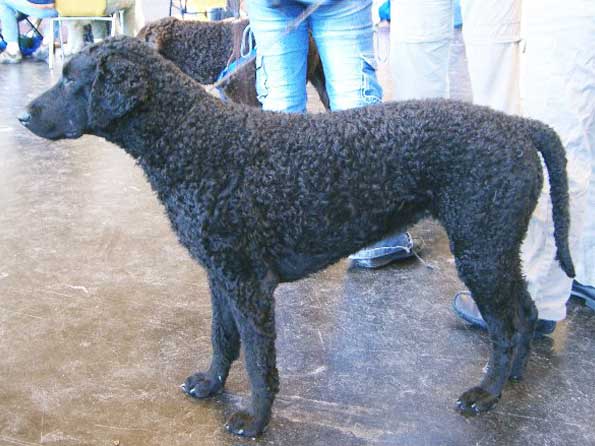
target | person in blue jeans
[
  {"x": 344, "y": 34},
  {"x": 9, "y": 12}
]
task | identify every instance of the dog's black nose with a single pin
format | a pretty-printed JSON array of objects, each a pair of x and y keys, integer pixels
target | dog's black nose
[{"x": 24, "y": 117}]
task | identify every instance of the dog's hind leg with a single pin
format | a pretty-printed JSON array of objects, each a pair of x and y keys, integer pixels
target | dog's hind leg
[
  {"x": 527, "y": 320},
  {"x": 225, "y": 340},
  {"x": 496, "y": 294}
]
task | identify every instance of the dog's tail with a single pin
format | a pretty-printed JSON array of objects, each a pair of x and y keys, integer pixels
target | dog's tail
[{"x": 549, "y": 145}]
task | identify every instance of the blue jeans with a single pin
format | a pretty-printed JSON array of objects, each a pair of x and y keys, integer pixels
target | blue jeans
[
  {"x": 9, "y": 9},
  {"x": 344, "y": 34}
]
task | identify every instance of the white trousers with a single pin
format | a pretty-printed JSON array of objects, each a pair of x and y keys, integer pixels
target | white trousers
[
  {"x": 420, "y": 45},
  {"x": 558, "y": 87}
]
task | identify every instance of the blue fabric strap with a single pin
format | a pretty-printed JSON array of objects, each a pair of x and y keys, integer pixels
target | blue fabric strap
[{"x": 231, "y": 68}]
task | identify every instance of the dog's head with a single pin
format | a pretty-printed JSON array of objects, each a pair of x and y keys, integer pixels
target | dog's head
[
  {"x": 157, "y": 33},
  {"x": 98, "y": 86}
]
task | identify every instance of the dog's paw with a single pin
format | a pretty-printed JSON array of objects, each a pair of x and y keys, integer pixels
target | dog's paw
[
  {"x": 201, "y": 385},
  {"x": 243, "y": 424},
  {"x": 475, "y": 401}
]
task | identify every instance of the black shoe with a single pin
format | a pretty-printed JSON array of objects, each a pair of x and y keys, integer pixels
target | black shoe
[{"x": 464, "y": 307}]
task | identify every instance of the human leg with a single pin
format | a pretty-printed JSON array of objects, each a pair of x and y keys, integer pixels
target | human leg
[
  {"x": 281, "y": 57},
  {"x": 558, "y": 88},
  {"x": 583, "y": 286},
  {"x": 115, "y": 5},
  {"x": 10, "y": 32},
  {"x": 344, "y": 35},
  {"x": 586, "y": 264},
  {"x": 9, "y": 9},
  {"x": 8, "y": 17},
  {"x": 491, "y": 32},
  {"x": 99, "y": 30},
  {"x": 421, "y": 32},
  {"x": 76, "y": 35},
  {"x": 27, "y": 8}
]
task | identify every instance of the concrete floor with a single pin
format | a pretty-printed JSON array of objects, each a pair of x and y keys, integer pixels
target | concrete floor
[{"x": 103, "y": 315}]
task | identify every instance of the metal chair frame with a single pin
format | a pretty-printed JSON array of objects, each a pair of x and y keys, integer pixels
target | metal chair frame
[
  {"x": 182, "y": 7},
  {"x": 116, "y": 18}
]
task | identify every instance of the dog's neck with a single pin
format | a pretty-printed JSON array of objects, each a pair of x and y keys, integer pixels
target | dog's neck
[{"x": 179, "y": 116}]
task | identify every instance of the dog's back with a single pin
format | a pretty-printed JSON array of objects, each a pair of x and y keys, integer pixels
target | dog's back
[{"x": 345, "y": 179}]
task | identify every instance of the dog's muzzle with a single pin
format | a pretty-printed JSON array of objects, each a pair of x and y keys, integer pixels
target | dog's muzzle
[{"x": 25, "y": 118}]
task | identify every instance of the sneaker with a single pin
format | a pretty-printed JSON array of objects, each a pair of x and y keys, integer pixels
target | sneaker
[
  {"x": 387, "y": 250},
  {"x": 585, "y": 292},
  {"x": 8, "y": 58},
  {"x": 465, "y": 308},
  {"x": 41, "y": 54}
]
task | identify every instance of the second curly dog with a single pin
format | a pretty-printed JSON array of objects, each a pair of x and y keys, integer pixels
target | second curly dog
[{"x": 203, "y": 49}]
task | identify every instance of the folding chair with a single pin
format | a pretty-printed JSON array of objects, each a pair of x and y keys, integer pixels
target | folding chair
[
  {"x": 195, "y": 7},
  {"x": 29, "y": 41},
  {"x": 73, "y": 10}
]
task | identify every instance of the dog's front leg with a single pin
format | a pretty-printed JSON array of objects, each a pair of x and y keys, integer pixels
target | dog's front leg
[
  {"x": 225, "y": 340},
  {"x": 255, "y": 319}
]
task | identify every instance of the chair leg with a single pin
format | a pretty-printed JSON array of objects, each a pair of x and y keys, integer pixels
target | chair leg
[
  {"x": 51, "y": 45},
  {"x": 61, "y": 40},
  {"x": 121, "y": 18}
]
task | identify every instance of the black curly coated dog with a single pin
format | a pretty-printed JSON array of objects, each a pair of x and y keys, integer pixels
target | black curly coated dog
[
  {"x": 260, "y": 198},
  {"x": 203, "y": 49}
]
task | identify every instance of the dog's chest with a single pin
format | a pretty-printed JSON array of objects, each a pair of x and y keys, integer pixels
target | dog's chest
[
  {"x": 187, "y": 214},
  {"x": 294, "y": 266}
]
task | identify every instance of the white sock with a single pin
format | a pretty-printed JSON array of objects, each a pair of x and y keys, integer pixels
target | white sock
[{"x": 13, "y": 48}]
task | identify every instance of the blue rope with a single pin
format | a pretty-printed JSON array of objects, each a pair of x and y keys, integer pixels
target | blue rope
[{"x": 232, "y": 67}]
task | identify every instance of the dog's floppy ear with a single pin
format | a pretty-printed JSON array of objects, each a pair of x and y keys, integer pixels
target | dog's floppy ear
[{"x": 119, "y": 86}]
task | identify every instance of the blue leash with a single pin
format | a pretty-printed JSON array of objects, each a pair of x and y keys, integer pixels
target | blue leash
[
  {"x": 232, "y": 67},
  {"x": 245, "y": 59}
]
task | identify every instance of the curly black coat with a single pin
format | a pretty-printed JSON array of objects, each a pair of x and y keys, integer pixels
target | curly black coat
[
  {"x": 260, "y": 198},
  {"x": 203, "y": 49}
]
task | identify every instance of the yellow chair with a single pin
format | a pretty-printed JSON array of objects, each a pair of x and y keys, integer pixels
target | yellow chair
[
  {"x": 195, "y": 7},
  {"x": 88, "y": 10},
  {"x": 77, "y": 8},
  {"x": 204, "y": 5}
]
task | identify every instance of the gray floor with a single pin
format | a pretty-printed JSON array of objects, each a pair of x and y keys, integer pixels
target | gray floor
[{"x": 103, "y": 315}]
